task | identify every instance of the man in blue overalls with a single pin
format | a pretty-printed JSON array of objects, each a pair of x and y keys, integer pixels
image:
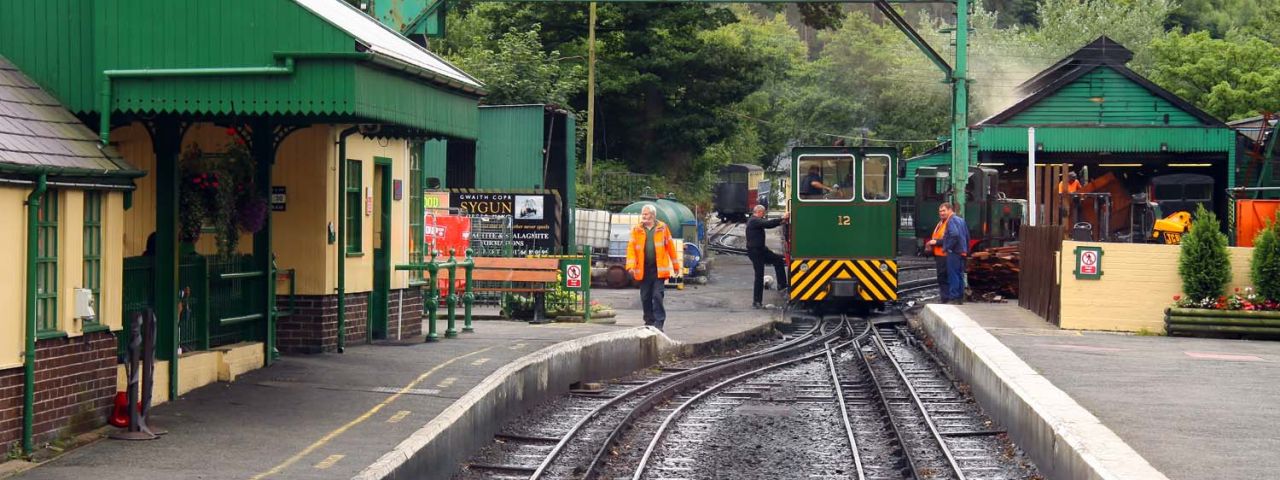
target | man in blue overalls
[{"x": 955, "y": 242}]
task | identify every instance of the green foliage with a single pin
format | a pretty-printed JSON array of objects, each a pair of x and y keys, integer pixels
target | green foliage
[
  {"x": 213, "y": 190},
  {"x": 1216, "y": 17},
  {"x": 1264, "y": 267},
  {"x": 516, "y": 70},
  {"x": 1229, "y": 78},
  {"x": 1203, "y": 263}
]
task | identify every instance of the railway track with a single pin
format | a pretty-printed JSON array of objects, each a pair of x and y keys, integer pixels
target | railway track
[{"x": 840, "y": 398}]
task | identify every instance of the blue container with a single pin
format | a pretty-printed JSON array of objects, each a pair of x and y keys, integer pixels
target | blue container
[{"x": 692, "y": 255}]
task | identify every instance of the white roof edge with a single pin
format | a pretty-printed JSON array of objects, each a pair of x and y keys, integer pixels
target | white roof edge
[{"x": 384, "y": 41}]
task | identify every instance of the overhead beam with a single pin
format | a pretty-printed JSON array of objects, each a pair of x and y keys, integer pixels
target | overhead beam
[{"x": 901, "y": 23}]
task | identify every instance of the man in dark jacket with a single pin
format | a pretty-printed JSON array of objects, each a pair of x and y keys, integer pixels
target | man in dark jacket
[
  {"x": 760, "y": 254},
  {"x": 955, "y": 242}
]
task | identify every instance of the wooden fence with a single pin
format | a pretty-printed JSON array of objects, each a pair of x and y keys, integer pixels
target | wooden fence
[{"x": 1038, "y": 289}]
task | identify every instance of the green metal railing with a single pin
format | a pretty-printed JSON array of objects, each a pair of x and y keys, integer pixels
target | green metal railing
[
  {"x": 432, "y": 301},
  {"x": 219, "y": 298}
]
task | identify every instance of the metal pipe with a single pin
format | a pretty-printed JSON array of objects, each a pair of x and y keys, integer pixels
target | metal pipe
[
  {"x": 1031, "y": 177},
  {"x": 29, "y": 347},
  {"x": 289, "y": 58},
  {"x": 468, "y": 297},
  {"x": 342, "y": 237},
  {"x": 452, "y": 299}
]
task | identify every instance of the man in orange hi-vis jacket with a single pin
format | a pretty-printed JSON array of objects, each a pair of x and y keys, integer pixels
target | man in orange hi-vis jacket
[{"x": 651, "y": 257}]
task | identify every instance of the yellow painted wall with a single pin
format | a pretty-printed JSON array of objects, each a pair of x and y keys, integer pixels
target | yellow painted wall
[
  {"x": 13, "y": 286},
  {"x": 1138, "y": 282},
  {"x": 13, "y": 231},
  {"x": 306, "y": 165}
]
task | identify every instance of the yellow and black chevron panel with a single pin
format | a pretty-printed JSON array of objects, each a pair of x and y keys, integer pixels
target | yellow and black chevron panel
[{"x": 877, "y": 279}]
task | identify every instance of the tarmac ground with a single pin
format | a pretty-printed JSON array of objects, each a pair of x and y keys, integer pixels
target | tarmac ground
[{"x": 333, "y": 415}]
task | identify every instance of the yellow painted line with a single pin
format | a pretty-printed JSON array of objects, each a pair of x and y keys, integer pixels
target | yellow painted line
[
  {"x": 447, "y": 382},
  {"x": 334, "y": 434},
  {"x": 518, "y": 346},
  {"x": 329, "y": 461},
  {"x": 480, "y": 362},
  {"x": 398, "y": 416}
]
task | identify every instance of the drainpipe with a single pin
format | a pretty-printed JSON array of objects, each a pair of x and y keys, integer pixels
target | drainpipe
[
  {"x": 104, "y": 108},
  {"x": 342, "y": 236},
  {"x": 29, "y": 348}
]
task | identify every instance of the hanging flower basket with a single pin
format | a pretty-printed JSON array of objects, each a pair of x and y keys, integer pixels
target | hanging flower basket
[{"x": 217, "y": 191}]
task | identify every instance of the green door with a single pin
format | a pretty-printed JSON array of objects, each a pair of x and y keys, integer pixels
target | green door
[{"x": 381, "y": 248}]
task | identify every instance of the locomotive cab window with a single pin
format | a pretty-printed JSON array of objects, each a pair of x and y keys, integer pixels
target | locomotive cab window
[
  {"x": 876, "y": 178},
  {"x": 824, "y": 178}
]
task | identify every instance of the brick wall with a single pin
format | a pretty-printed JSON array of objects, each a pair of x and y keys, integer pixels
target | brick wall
[
  {"x": 75, "y": 386},
  {"x": 404, "y": 320},
  {"x": 313, "y": 327}
]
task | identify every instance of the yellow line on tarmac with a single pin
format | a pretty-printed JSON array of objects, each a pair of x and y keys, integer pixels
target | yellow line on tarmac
[
  {"x": 334, "y": 434},
  {"x": 328, "y": 462}
]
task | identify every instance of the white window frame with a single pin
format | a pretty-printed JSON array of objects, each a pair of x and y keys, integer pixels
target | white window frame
[
  {"x": 799, "y": 196},
  {"x": 888, "y": 175}
]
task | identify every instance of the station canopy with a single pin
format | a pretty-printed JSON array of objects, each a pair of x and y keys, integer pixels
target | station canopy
[{"x": 302, "y": 61}]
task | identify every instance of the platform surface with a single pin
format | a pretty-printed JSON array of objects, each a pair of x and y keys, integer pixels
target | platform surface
[
  {"x": 1194, "y": 408},
  {"x": 331, "y": 415}
]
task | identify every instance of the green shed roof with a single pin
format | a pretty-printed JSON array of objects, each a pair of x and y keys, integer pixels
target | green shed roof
[
  {"x": 38, "y": 134},
  {"x": 1093, "y": 87},
  {"x": 318, "y": 60}
]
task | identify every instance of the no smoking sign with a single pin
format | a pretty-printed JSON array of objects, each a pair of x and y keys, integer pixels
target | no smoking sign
[
  {"x": 1088, "y": 263},
  {"x": 573, "y": 276}
]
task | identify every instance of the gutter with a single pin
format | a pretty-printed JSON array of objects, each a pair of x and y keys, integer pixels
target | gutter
[
  {"x": 342, "y": 235},
  {"x": 289, "y": 59},
  {"x": 29, "y": 345}
]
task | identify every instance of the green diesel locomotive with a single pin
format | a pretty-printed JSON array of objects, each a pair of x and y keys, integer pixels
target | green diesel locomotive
[{"x": 842, "y": 240}]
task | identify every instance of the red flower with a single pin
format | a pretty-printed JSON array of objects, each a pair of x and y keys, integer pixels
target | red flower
[
  {"x": 1177, "y": 297},
  {"x": 1237, "y": 289},
  {"x": 215, "y": 184},
  {"x": 231, "y": 131}
]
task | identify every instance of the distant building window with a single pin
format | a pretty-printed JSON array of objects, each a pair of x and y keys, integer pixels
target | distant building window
[
  {"x": 93, "y": 247},
  {"x": 47, "y": 263},
  {"x": 355, "y": 206}
]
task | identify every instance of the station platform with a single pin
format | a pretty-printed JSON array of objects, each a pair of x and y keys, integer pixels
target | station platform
[
  {"x": 409, "y": 409},
  {"x": 1106, "y": 405}
]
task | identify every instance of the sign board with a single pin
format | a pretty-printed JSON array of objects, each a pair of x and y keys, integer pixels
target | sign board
[
  {"x": 368, "y": 201},
  {"x": 436, "y": 200},
  {"x": 278, "y": 198},
  {"x": 535, "y": 218},
  {"x": 577, "y": 273},
  {"x": 396, "y": 190},
  {"x": 573, "y": 276},
  {"x": 1088, "y": 263}
]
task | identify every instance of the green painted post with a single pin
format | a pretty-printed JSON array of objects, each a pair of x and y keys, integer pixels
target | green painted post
[
  {"x": 452, "y": 299},
  {"x": 467, "y": 297},
  {"x": 166, "y": 142},
  {"x": 264, "y": 152},
  {"x": 433, "y": 298},
  {"x": 960, "y": 107},
  {"x": 586, "y": 282}
]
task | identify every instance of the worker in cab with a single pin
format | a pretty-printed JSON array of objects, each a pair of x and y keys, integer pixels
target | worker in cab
[
  {"x": 651, "y": 260},
  {"x": 812, "y": 186}
]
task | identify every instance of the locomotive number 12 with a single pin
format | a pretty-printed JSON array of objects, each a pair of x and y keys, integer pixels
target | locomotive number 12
[{"x": 842, "y": 220}]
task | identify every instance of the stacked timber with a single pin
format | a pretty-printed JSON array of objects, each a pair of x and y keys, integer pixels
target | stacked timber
[{"x": 993, "y": 274}]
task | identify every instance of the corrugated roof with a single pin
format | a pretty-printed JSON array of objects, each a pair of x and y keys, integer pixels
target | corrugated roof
[
  {"x": 382, "y": 40},
  {"x": 38, "y": 132}
]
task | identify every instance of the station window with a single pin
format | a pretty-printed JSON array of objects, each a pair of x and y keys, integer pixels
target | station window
[
  {"x": 47, "y": 263},
  {"x": 875, "y": 178},
  {"x": 355, "y": 206},
  {"x": 824, "y": 177},
  {"x": 92, "y": 274}
]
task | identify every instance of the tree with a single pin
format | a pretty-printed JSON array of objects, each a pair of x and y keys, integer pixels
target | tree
[
  {"x": 1264, "y": 267},
  {"x": 1203, "y": 262},
  {"x": 1229, "y": 78},
  {"x": 516, "y": 70}
]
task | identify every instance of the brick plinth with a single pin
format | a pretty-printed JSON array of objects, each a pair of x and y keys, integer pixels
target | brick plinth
[
  {"x": 313, "y": 327},
  {"x": 75, "y": 385}
]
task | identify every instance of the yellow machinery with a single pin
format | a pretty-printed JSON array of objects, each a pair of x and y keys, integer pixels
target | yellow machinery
[{"x": 1172, "y": 226}]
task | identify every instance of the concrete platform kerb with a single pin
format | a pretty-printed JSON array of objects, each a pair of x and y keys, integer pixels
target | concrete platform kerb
[
  {"x": 1064, "y": 439},
  {"x": 472, "y": 420}
]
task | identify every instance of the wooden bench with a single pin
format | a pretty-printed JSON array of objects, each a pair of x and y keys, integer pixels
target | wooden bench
[{"x": 517, "y": 275}]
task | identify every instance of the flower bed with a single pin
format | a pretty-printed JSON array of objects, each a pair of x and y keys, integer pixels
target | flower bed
[{"x": 1239, "y": 314}]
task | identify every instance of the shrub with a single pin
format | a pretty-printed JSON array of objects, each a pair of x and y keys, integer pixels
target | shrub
[
  {"x": 1203, "y": 264},
  {"x": 1264, "y": 268}
]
